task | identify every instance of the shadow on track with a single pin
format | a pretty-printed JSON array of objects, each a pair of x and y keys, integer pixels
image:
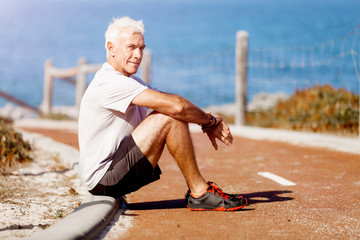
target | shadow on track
[
  {"x": 267, "y": 197},
  {"x": 253, "y": 198}
]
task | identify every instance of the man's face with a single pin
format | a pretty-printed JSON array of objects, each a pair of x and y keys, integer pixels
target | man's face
[{"x": 127, "y": 52}]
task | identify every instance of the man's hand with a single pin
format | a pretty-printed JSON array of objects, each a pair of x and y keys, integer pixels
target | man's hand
[{"x": 220, "y": 131}]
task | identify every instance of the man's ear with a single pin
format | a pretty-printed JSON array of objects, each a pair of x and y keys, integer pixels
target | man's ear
[{"x": 110, "y": 47}]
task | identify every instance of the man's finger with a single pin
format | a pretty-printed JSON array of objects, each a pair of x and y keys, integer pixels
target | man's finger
[{"x": 213, "y": 140}]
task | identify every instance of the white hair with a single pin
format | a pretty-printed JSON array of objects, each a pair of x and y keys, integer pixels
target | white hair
[{"x": 117, "y": 25}]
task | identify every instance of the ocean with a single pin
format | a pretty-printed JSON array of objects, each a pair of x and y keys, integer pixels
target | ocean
[{"x": 64, "y": 30}]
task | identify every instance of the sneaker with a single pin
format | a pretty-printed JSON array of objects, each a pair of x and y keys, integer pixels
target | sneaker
[
  {"x": 214, "y": 185},
  {"x": 215, "y": 199}
]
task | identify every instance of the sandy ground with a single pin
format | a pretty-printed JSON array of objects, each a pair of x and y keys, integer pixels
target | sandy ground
[{"x": 37, "y": 194}]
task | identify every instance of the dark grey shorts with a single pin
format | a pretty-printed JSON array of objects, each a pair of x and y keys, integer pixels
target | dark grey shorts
[{"x": 129, "y": 171}]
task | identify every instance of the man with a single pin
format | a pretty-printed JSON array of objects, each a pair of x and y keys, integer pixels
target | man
[{"x": 120, "y": 145}]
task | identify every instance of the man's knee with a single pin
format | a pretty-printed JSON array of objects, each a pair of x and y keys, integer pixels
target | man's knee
[
  {"x": 155, "y": 129},
  {"x": 165, "y": 120}
]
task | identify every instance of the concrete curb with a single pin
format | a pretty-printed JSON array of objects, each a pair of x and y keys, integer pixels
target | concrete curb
[
  {"x": 86, "y": 222},
  {"x": 94, "y": 213},
  {"x": 46, "y": 123},
  {"x": 304, "y": 139}
]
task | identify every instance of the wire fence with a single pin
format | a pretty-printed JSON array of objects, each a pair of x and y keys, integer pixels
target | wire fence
[
  {"x": 204, "y": 80},
  {"x": 210, "y": 79},
  {"x": 282, "y": 69}
]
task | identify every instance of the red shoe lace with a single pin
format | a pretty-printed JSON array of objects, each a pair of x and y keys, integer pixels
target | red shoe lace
[{"x": 216, "y": 188}]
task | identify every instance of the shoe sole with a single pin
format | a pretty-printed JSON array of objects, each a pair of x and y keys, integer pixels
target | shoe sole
[{"x": 221, "y": 209}]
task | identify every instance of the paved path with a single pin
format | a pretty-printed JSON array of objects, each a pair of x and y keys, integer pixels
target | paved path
[{"x": 324, "y": 203}]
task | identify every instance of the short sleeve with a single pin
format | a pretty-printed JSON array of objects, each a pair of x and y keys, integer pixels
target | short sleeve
[{"x": 118, "y": 91}]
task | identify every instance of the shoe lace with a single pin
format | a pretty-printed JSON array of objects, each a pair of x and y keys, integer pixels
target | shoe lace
[{"x": 216, "y": 188}]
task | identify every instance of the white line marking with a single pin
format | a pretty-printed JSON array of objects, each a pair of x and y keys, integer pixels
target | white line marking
[{"x": 277, "y": 178}]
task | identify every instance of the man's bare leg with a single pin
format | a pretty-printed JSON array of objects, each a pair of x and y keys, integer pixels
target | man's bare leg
[{"x": 156, "y": 131}]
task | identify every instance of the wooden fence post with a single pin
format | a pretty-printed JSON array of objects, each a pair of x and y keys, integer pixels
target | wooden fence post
[
  {"x": 80, "y": 82},
  {"x": 145, "y": 66},
  {"x": 48, "y": 88},
  {"x": 241, "y": 52}
]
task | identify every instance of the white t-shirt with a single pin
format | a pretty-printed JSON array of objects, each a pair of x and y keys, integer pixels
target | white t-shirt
[{"x": 106, "y": 117}]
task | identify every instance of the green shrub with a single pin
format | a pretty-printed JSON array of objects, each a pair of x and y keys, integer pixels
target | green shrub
[
  {"x": 317, "y": 109},
  {"x": 13, "y": 148}
]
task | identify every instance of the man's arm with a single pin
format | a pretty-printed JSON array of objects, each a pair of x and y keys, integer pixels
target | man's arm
[
  {"x": 172, "y": 105},
  {"x": 182, "y": 109}
]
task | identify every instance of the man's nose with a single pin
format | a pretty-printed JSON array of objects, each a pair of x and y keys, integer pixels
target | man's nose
[{"x": 138, "y": 53}]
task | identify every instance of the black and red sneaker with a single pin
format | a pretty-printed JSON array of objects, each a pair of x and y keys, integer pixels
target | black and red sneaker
[{"x": 215, "y": 199}]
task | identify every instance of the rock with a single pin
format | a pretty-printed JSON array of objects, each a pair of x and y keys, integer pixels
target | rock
[
  {"x": 264, "y": 101},
  {"x": 14, "y": 112}
]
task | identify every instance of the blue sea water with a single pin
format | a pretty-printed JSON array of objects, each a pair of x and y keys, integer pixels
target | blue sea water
[{"x": 64, "y": 30}]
